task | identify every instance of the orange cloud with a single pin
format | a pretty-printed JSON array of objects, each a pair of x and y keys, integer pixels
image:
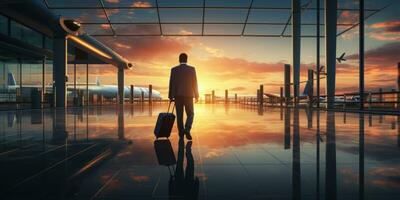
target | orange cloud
[
  {"x": 391, "y": 25},
  {"x": 122, "y": 46},
  {"x": 112, "y": 1},
  {"x": 382, "y": 56},
  {"x": 141, "y": 4},
  {"x": 238, "y": 89},
  {"x": 146, "y": 49},
  {"x": 348, "y": 17},
  {"x": 385, "y": 31},
  {"x": 105, "y": 26}
]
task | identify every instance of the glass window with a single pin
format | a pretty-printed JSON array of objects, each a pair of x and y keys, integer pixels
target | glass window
[
  {"x": 3, "y": 24},
  {"x": 3, "y": 74},
  {"x": 11, "y": 70},
  {"x": 49, "y": 76},
  {"x": 31, "y": 78},
  {"x": 26, "y": 34}
]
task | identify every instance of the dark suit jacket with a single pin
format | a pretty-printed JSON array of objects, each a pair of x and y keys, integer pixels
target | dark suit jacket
[{"x": 183, "y": 82}]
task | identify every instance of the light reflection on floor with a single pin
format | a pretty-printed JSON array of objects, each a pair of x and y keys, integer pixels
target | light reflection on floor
[{"x": 238, "y": 153}]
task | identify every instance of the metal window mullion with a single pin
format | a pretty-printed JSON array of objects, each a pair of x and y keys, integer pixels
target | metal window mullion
[
  {"x": 286, "y": 25},
  {"x": 204, "y": 11},
  {"x": 159, "y": 19},
  {"x": 365, "y": 18},
  {"x": 247, "y": 17},
  {"x": 361, "y": 53},
  {"x": 107, "y": 17}
]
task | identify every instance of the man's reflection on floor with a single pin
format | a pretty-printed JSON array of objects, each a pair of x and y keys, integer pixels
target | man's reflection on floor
[{"x": 184, "y": 185}]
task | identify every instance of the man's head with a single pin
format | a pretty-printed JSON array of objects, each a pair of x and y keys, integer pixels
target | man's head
[{"x": 183, "y": 58}]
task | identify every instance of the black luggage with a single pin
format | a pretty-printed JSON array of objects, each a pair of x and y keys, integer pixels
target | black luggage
[
  {"x": 165, "y": 122},
  {"x": 165, "y": 153}
]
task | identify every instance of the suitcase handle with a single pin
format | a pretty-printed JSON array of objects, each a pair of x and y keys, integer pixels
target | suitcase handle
[{"x": 172, "y": 107}]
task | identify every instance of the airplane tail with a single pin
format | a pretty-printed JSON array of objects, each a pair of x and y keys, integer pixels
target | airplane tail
[
  {"x": 306, "y": 89},
  {"x": 97, "y": 81},
  {"x": 11, "y": 80}
]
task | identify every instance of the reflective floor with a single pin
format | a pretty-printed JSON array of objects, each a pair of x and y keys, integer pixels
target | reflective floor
[{"x": 237, "y": 153}]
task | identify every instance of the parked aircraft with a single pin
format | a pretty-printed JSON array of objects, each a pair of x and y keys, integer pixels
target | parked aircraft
[{"x": 107, "y": 91}]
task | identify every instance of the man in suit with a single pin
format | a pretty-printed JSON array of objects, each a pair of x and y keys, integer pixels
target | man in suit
[{"x": 182, "y": 89}]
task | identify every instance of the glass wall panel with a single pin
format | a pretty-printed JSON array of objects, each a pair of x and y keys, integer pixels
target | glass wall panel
[
  {"x": 70, "y": 84},
  {"x": 3, "y": 24},
  {"x": 48, "y": 81},
  {"x": 81, "y": 80},
  {"x": 13, "y": 81},
  {"x": 3, "y": 74},
  {"x": 32, "y": 77},
  {"x": 26, "y": 34}
]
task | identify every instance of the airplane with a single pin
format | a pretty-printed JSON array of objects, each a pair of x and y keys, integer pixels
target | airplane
[
  {"x": 341, "y": 58},
  {"x": 107, "y": 91}
]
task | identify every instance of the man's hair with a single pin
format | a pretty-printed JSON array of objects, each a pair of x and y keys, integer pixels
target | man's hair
[{"x": 183, "y": 58}]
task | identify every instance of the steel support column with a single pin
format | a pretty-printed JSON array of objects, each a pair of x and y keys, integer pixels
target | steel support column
[
  {"x": 311, "y": 87},
  {"x": 330, "y": 50},
  {"x": 287, "y": 84},
  {"x": 120, "y": 85},
  {"x": 361, "y": 53},
  {"x": 60, "y": 70},
  {"x": 43, "y": 79},
  {"x": 296, "y": 47},
  {"x": 213, "y": 96},
  {"x": 398, "y": 85},
  {"x": 226, "y": 96},
  {"x": 261, "y": 95},
  {"x": 318, "y": 52},
  {"x": 150, "y": 94}
]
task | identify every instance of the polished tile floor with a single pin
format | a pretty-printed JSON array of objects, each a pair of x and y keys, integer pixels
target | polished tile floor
[{"x": 237, "y": 153}]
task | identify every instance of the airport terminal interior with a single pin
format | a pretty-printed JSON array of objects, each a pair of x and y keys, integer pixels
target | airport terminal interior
[{"x": 75, "y": 123}]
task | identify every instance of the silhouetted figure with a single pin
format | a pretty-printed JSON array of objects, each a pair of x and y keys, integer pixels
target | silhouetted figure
[
  {"x": 184, "y": 185},
  {"x": 182, "y": 89}
]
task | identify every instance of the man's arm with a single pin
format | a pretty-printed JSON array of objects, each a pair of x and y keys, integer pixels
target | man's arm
[
  {"x": 171, "y": 93},
  {"x": 195, "y": 87}
]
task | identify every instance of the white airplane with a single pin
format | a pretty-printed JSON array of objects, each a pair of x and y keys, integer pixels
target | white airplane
[{"x": 107, "y": 91}]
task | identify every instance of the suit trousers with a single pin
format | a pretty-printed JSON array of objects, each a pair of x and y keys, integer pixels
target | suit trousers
[{"x": 187, "y": 104}]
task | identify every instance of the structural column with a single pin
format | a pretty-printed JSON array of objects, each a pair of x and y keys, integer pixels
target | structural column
[
  {"x": 318, "y": 67},
  {"x": 132, "y": 95},
  {"x": 60, "y": 70},
  {"x": 296, "y": 45},
  {"x": 120, "y": 85},
  {"x": 361, "y": 53},
  {"x": 150, "y": 94},
  {"x": 287, "y": 84},
  {"x": 330, "y": 50},
  {"x": 398, "y": 85},
  {"x": 226, "y": 96},
  {"x": 213, "y": 96},
  {"x": 261, "y": 95},
  {"x": 310, "y": 86},
  {"x": 281, "y": 97}
]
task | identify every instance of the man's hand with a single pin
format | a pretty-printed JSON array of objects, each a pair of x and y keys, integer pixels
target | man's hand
[
  {"x": 171, "y": 99},
  {"x": 196, "y": 100}
]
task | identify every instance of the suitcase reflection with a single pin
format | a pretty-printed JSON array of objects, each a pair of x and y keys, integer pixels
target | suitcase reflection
[{"x": 183, "y": 184}]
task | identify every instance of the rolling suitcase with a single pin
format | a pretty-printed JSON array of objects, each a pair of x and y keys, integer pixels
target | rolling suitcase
[{"x": 164, "y": 124}]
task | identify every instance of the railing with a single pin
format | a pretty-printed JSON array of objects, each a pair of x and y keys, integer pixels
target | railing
[{"x": 378, "y": 100}]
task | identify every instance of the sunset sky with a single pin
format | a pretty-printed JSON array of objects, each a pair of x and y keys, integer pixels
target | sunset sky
[{"x": 240, "y": 64}]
